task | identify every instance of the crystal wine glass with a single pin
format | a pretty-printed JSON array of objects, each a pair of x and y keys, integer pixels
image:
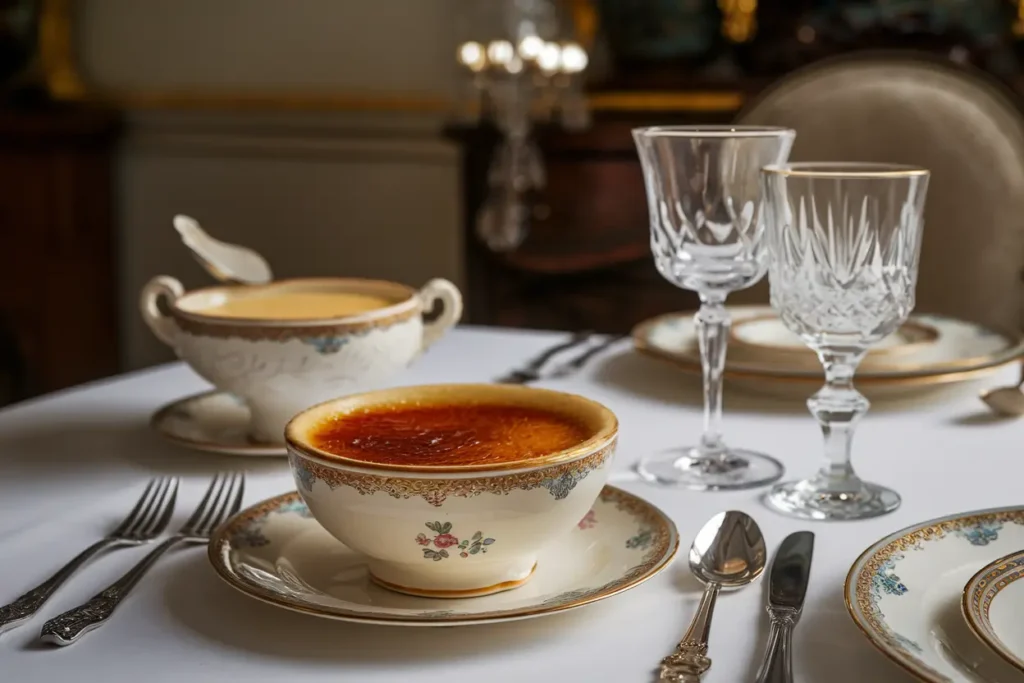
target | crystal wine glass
[
  {"x": 845, "y": 241},
  {"x": 704, "y": 198}
]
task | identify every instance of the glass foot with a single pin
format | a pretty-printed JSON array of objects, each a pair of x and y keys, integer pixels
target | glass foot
[
  {"x": 734, "y": 468},
  {"x": 809, "y": 500}
]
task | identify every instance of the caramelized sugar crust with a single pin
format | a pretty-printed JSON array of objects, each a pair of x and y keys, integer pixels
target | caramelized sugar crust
[{"x": 447, "y": 434}]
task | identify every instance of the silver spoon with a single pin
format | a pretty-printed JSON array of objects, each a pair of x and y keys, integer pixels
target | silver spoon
[
  {"x": 728, "y": 553},
  {"x": 1006, "y": 400},
  {"x": 226, "y": 262}
]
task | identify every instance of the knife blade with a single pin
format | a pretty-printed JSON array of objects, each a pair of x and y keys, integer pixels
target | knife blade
[{"x": 787, "y": 588}]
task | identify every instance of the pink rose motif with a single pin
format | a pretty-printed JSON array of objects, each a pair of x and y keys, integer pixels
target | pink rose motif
[
  {"x": 422, "y": 539},
  {"x": 588, "y": 521},
  {"x": 445, "y": 541}
]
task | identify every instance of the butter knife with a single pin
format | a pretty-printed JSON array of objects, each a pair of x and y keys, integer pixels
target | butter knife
[{"x": 787, "y": 587}]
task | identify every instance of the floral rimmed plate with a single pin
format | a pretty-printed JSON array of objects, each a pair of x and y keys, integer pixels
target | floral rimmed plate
[
  {"x": 905, "y": 594},
  {"x": 275, "y": 552},
  {"x": 993, "y": 604},
  {"x": 954, "y": 351},
  {"x": 215, "y": 422}
]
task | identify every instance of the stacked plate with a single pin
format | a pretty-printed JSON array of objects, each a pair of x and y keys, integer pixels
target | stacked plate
[
  {"x": 764, "y": 356},
  {"x": 942, "y": 598}
]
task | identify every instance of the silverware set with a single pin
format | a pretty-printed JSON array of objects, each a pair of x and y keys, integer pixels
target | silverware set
[
  {"x": 729, "y": 553},
  {"x": 146, "y": 522},
  {"x": 536, "y": 368}
]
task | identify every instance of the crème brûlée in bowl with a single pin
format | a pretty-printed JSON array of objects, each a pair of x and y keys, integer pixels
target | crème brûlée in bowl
[{"x": 452, "y": 490}]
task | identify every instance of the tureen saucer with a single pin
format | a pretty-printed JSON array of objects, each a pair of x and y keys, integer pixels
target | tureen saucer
[
  {"x": 275, "y": 552},
  {"x": 214, "y": 421},
  {"x": 905, "y": 594},
  {"x": 993, "y": 603}
]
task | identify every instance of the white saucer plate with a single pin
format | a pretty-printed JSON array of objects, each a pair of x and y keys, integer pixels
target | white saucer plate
[
  {"x": 276, "y": 552},
  {"x": 993, "y": 604},
  {"x": 214, "y": 422},
  {"x": 954, "y": 351},
  {"x": 905, "y": 593}
]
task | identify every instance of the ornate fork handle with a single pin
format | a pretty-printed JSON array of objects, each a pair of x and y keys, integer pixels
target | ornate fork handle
[
  {"x": 28, "y": 604},
  {"x": 68, "y": 627},
  {"x": 690, "y": 661}
]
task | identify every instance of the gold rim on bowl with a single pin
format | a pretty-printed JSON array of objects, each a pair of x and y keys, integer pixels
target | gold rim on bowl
[{"x": 601, "y": 421}]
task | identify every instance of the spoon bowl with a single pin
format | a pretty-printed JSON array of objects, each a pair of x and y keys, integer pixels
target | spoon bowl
[
  {"x": 228, "y": 263},
  {"x": 1008, "y": 401},
  {"x": 728, "y": 550}
]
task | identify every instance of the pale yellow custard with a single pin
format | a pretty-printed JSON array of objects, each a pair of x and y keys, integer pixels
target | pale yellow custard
[{"x": 297, "y": 305}]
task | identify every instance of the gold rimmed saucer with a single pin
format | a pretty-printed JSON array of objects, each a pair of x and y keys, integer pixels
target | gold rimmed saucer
[
  {"x": 276, "y": 552},
  {"x": 962, "y": 351},
  {"x": 765, "y": 337},
  {"x": 213, "y": 422}
]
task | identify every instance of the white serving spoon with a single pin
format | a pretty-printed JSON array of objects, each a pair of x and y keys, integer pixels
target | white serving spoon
[{"x": 226, "y": 262}]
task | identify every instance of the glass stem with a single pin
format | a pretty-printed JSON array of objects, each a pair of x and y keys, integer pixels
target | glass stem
[
  {"x": 713, "y": 334},
  {"x": 838, "y": 406}
]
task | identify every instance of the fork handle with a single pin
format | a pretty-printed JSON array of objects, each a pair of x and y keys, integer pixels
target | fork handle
[
  {"x": 28, "y": 604},
  {"x": 577, "y": 338},
  {"x": 67, "y": 628},
  {"x": 581, "y": 360}
]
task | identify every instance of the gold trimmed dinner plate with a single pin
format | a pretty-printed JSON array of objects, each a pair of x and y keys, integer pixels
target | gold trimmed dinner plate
[
  {"x": 276, "y": 552},
  {"x": 905, "y": 593},
  {"x": 993, "y": 604},
  {"x": 214, "y": 422},
  {"x": 930, "y": 350}
]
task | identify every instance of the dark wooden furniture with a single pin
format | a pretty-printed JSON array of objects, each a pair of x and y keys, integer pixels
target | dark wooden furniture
[
  {"x": 586, "y": 262},
  {"x": 58, "y": 304}
]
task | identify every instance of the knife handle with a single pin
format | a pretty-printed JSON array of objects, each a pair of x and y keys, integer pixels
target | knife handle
[{"x": 777, "y": 666}]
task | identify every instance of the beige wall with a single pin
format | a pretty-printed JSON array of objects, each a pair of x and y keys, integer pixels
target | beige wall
[{"x": 363, "y": 194}]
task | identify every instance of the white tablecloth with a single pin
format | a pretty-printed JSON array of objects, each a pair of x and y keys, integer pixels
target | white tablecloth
[{"x": 72, "y": 464}]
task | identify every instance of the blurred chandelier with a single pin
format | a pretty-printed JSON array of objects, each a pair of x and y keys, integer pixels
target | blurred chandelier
[{"x": 522, "y": 70}]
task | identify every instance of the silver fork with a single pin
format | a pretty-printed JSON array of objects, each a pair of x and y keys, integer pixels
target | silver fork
[
  {"x": 145, "y": 522},
  {"x": 531, "y": 371},
  {"x": 223, "y": 498}
]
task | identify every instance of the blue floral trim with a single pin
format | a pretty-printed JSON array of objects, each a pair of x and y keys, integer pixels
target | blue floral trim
[
  {"x": 562, "y": 486},
  {"x": 641, "y": 541},
  {"x": 303, "y": 475},
  {"x": 559, "y": 484},
  {"x": 982, "y": 533},
  {"x": 326, "y": 345},
  {"x": 251, "y": 536},
  {"x": 885, "y": 579}
]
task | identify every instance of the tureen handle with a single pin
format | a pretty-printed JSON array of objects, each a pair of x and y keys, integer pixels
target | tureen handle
[
  {"x": 444, "y": 293},
  {"x": 163, "y": 326}
]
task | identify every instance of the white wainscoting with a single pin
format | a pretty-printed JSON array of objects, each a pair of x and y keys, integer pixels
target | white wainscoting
[
  {"x": 386, "y": 46},
  {"x": 371, "y": 194},
  {"x": 367, "y": 196}
]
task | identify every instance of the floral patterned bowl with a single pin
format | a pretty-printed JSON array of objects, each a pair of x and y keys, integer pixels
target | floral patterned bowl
[
  {"x": 453, "y": 531},
  {"x": 281, "y": 366}
]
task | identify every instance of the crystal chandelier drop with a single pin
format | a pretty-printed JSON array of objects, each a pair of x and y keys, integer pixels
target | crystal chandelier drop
[{"x": 523, "y": 69}]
